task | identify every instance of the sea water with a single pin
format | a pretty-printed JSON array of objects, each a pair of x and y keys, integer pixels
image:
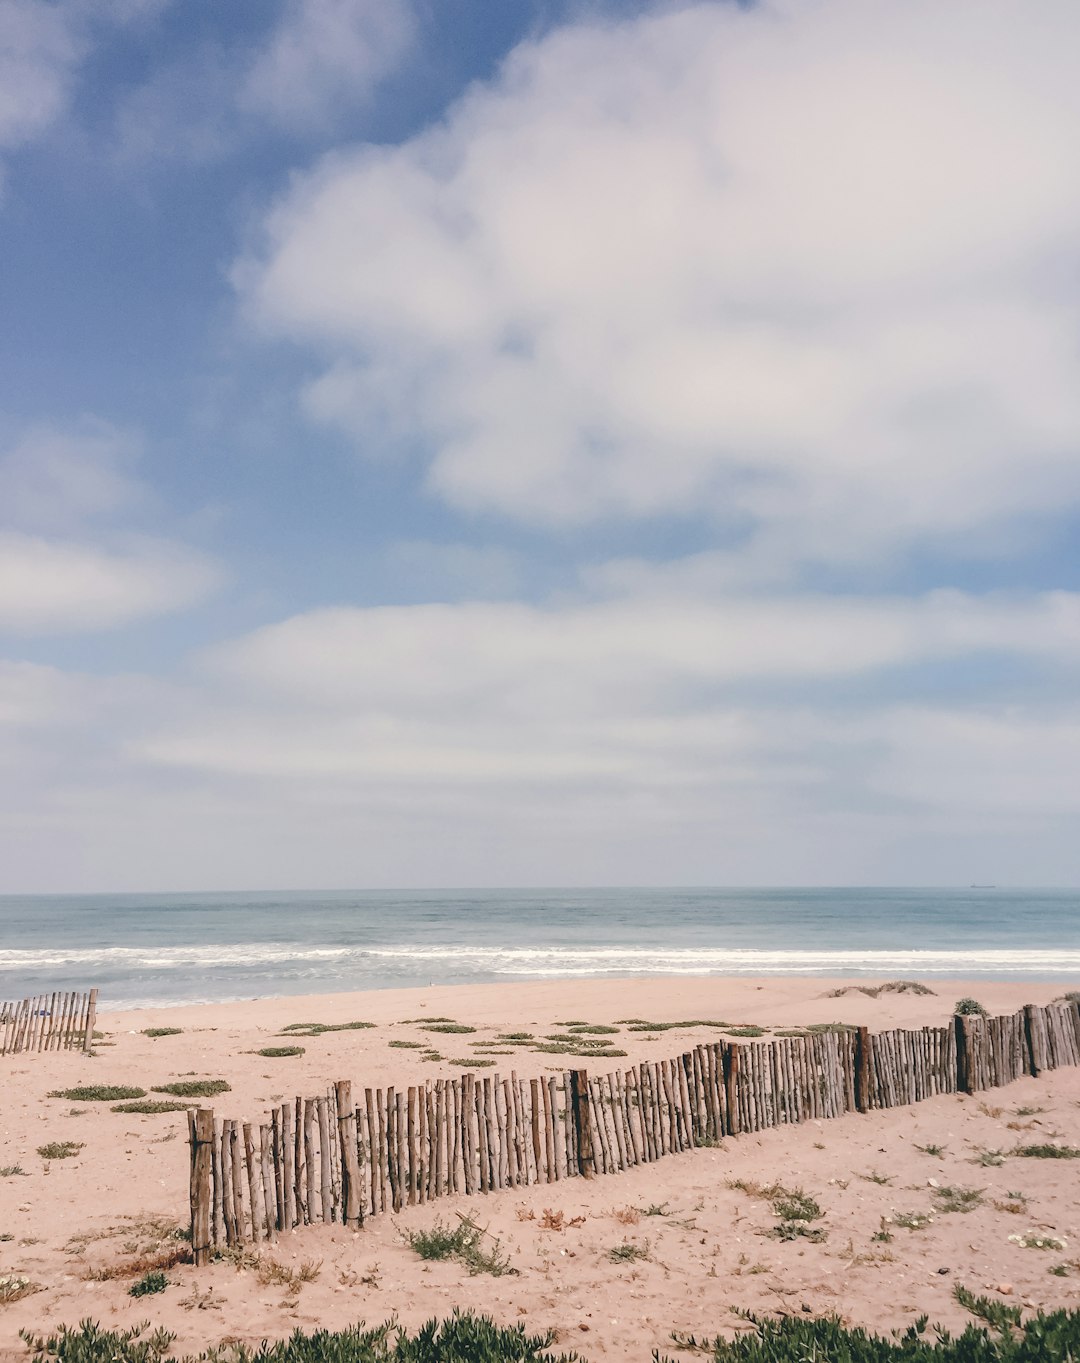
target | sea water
[{"x": 154, "y": 949}]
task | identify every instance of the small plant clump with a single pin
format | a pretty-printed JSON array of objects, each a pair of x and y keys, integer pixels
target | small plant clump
[
  {"x": 59, "y": 1149},
  {"x": 1047, "y": 1151},
  {"x": 189, "y": 1088},
  {"x": 99, "y": 1093},
  {"x": 628, "y": 1253},
  {"x": 463, "y": 1242},
  {"x": 1033, "y": 1240},
  {"x": 949, "y": 1199},
  {"x": 969, "y": 1008},
  {"x": 150, "y": 1107},
  {"x": 450, "y": 1028},
  {"x": 149, "y": 1284},
  {"x": 318, "y": 1028},
  {"x": 280, "y": 1052},
  {"x": 909, "y": 1220},
  {"x": 406, "y": 1045},
  {"x": 996, "y": 1314},
  {"x": 935, "y": 1150},
  {"x": 162, "y": 1031},
  {"x": 11, "y": 1170},
  {"x": 13, "y": 1287}
]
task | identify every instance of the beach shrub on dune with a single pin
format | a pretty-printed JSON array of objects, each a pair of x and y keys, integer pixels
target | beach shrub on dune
[
  {"x": 969, "y": 1008},
  {"x": 162, "y": 1031},
  {"x": 189, "y": 1088},
  {"x": 318, "y": 1028},
  {"x": 279, "y": 1052},
  {"x": 99, "y": 1093}
]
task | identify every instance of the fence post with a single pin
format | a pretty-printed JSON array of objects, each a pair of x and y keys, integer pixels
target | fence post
[
  {"x": 731, "y": 1086},
  {"x": 91, "y": 1018},
  {"x": 582, "y": 1128},
  {"x": 352, "y": 1212},
  {"x": 201, "y": 1131},
  {"x": 963, "y": 1054},
  {"x": 1033, "y": 1056},
  {"x": 862, "y": 1069}
]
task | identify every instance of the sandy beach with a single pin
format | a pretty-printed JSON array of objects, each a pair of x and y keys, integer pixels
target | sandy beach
[{"x": 615, "y": 1264}]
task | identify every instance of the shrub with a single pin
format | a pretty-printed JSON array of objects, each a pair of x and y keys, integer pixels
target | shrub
[
  {"x": 454, "y": 1028},
  {"x": 188, "y": 1088},
  {"x": 162, "y": 1031},
  {"x": 278, "y": 1052},
  {"x": 969, "y": 1008},
  {"x": 59, "y": 1149},
  {"x": 464, "y": 1243},
  {"x": 99, "y": 1093},
  {"x": 148, "y": 1284}
]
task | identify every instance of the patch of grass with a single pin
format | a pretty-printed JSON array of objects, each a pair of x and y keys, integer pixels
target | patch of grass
[
  {"x": 472, "y": 1063},
  {"x": 149, "y": 1284},
  {"x": 99, "y": 1093},
  {"x": 824, "y": 1028},
  {"x": 162, "y": 1031},
  {"x": 989, "y": 1159},
  {"x": 937, "y": 1151},
  {"x": 318, "y": 1028},
  {"x": 954, "y": 1199},
  {"x": 794, "y": 1205},
  {"x": 405, "y": 1022},
  {"x": 643, "y": 1025},
  {"x": 1047, "y": 1151},
  {"x": 271, "y": 1273},
  {"x": 280, "y": 1052},
  {"x": 873, "y": 991},
  {"x": 1033, "y": 1240},
  {"x": 189, "y": 1088},
  {"x": 463, "y": 1242},
  {"x": 449, "y": 1028},
  {"x": 749, "y": 1030},
  {"x": 592, "y": 1028},
  {"x": 151, "y": 1107},
  {"x": 969, "y": 1008},
  {"x": 12, "y": 1171},
  {"x": 883, "y": 1180},
  {"x": 1028, "y": 1111},
  {"x": 59, "y": 1149},
  {"x": 628, "y": 1253},
  {"x": 515, "y": 1036},
  {"x": 406, "y": 1045}
]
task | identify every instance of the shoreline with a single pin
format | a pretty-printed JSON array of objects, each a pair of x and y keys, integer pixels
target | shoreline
[{"x": 703, "y": 1242}]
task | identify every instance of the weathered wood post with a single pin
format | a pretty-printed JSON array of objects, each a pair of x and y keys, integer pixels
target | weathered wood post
[
  {"x": 963, "y": 1053},
  {"x": 201, "y": 1132},
  {"x": 580, "y": 1107},
  {"x": 863, "y": 1100},
  {"x": 731, "y": 1086},
  {"x": 91, "y": 1019},
  {"x": 1034, "y": 1056},
  {"x": 352, "y": 1207}
]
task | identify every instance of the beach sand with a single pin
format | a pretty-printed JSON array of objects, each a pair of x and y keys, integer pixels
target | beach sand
[{"x": 702, "y": 1246}]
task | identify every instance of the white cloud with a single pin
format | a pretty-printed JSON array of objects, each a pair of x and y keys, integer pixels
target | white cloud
[
  {"x": 39, "y": 51},
  {"x": 54, "y": 586},
  {"x": 802, "y": 266},
  {"x": 53, "y": 478},
  {"x": 325, "y": 54}
]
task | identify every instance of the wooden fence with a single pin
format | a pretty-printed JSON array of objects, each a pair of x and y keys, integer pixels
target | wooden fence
[
  {"x": 50, "y": 1022},
  {"x": 340, "y": 1157}
]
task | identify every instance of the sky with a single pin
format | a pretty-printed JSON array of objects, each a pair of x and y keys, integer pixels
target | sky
[{"x": 446, "y": 443}]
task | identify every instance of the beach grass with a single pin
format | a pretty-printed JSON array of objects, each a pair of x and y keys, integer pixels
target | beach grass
[{"x": 99, "y": 1093}]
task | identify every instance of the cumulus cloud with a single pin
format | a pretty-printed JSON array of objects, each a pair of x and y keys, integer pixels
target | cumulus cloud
[
  {"x": 795, "y": 266},
  {"x": 49, "y": 586},
  {"x": 39, "y": 51},
  {"x": 55, "y": 478}
]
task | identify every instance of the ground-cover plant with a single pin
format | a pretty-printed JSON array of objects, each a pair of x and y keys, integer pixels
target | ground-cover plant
[
  {"x": 935, "y": 1150},
  {"x": 463, "y": 1242},
  {"x": 450, "y": 1028},
  {"x": 280, "y": 1052},
  {"x": 189, "y": 1088},
  {"x": 162, "y": 1031},
  {"x": 909, "y": 1220},
  {"x": 970, "y": 1008},
  {"x": 951, "y": 1199},
  {"x": 149, "y": 1107},
  {"x": 995, "y": 1313},
  {"x": 643, "y": 1025},
  {"x": 470, "y": 1062},
  {"x": 873, "y": 991},
  {"x": 318, "y": 1028},
  {"x": 1047, "y": 1151},
  {"x": 406, "y": 1045},
  {"x": 461, "y": 1338},
  {"x": 99, "y": 1093},
  {"x": 989, "y": 1159},
  {"x": 593, "y": 1028},
  {"x": 1034, "y": 1240},
  {"x": 148, "y": 1284},
  {"x": 748, "y": 1030},
  {"x": 13, "y": 1287},
  {"x": 628, "y": 1252},
  {"x": 59, "y": 1149},
  {"x": 11, "y": 1170}
]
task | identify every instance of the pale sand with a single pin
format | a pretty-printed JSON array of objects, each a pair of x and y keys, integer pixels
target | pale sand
[{"x": 705, "y": 1254}]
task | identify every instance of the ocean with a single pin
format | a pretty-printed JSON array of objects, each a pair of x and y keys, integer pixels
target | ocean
[{"x": 161, "y": 949}]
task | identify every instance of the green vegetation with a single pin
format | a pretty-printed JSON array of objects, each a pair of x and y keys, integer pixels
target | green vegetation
[
  {"x": 950, "y": 1199},
  {"x": 873, "y": 991},
  {"x": 1047, "y": 1151},
  {"x": 188, "y": 1088},
  {"x": 794, "y": 1209},
  {"x": 278, "y": 1052},
  {"x": 628, "y": 1253},
  {"x": 910, "y": 1220},
  {"x": 465, "y": 1243},
  {"x": 406, "y": 1045},
  {"x": 59, "y": 1149},
  {"x": 643, "y": 1025},
  {"x": 748, "y": 1030},
  {"x": 151, "y": 1107},
  {"x": 463, "y": 1338},
  {"x": 996, "y": 1314},
  {"x": 470, "y": 1062},
  {"x": 162, "y": 1031},
  {"x": 451, "y": 1028},
  {"x": 317, "y": 1028},
  {"x": 593, "y": 1028},
  {"x": 14, "y": 1287},
  {"x": 148, "y": 1284},
  {"x": 99, "y": 1093},
  {"x": 11, "y": 1170},
  {"x": 935, "y": 1150},
  {"x": 969, "y": 1008}
]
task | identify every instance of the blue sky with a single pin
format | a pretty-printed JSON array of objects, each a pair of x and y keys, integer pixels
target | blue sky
[{"x": 538, "y": 443}]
